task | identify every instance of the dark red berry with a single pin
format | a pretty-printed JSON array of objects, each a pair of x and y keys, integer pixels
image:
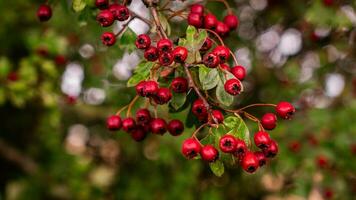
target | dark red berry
[
  {"x": 143, "y": 116},
  {"x": 143, "y": 41},
  {"x": 262, "y": 139},
  {"x": 322, "y": 161},
  {"x": 179, "y": 85},
  {"x": 113, "y": 123},
  {"x": 199, "y": 109},
  {"x": 211, "y": 60},
  {"x": 328, "y": 2},
  {"x": 209, "y": 153},
  {"x": 285, "y": 110},
  {"x": 102, "y": 4},
  {"x": 222, "y": 52},
  {"x": 108, "y": 38},
  {"x": 210, "y": 21},
  {"x": 262, "y": 160},
  {"x": 328, "y": 193},
  {"x": 128, "y": 124},
  {"x": 195, "y": 20},
  {"x": 166, "y": 59},
  {"x": 232, "y": 86},
  {"x": 175, "y": 127},
  {"x": 44, "y": 13},
  {"x": 138, "y": 133},
  {"x": 241, "y": 148},
  {"x": 222, "y": 29},
  {"x": 231, "y": 21},
  {"x": 105, "y": 18},
  {"x": 60, "y": 60},
  {"x": 162, "y": 96},
  {"x": 158, "y": 126},
  {"x": 190, "y": 148},
  {"x": 12, "y": 76},
  {"x": 228, "y": 144},
  {"x": 272, "y": 149},
  {"x": 146, "y": 88},
  {"x": 180, "y": 54},
  {"x": 269, "y": 121},
  {"x": 151, "y": 54},
  {"x": 225, "y": 67},
  {"x": 294, "y": 146},
  {"x": 164, "y": 45},
  {"x": 120, "y": 12},
  {"x": 206, "y": 45},
  {"x": 218, "y": 116},
  {"x": 249, "y": 162},
  {"x": 239, "y": 72},
  {"x": 197, "y": 8}
]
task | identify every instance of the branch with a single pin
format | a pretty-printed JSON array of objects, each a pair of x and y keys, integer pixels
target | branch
[{"x": 157, "y": 22}]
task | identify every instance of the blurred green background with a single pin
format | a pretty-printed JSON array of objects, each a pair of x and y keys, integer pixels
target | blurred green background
[{"x": 53, "y": 140}]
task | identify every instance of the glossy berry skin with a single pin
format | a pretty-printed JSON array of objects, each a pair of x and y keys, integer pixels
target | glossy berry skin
[
  {"x": 151, "y": 54},
  {"x": 113, "y": 123},
  {"x": 241, "y": 148},
  {"x": 223, "y": 53},
  {"x": 209, "y": 153},
  {"x": 199, "y": 109},
  {"x": 158, "y": 126},
  {"x": 262, "y": 139},
  {"x": 128, "y": 124},
  {"x": 175, "y": 127},
  {"x": 105, "y": 18},
  {"x": 179, "y": 85},
  {"x": 197, "y": 8},
  {"x": 164, "y": 45},
  {"x": 195, "y": 20},
  {"x": 285, "y": 110},
  {"x": 222, "y": 29},
  {"x": 143, "y": 41},
  {"x": 249, "y": 162},
  {"x": 269, "y": 121},
  {"x": 207, "y": 45},
  {"x": 138, "y": 133},
  {"x": 180, "y": 54},
  {"x": 211, "y": 60},
  {"x": 232, "y": 86},
  {"x": 102, "y": 4},
  {"x": 162, "y": 96},
  {"x": 262, "y": 160},
  {"x": 218, "y": 116},
  {"x": 210, "y": 21},
  {"x": 239, "y": 72},
  {"x": 225, "y": 67},
  {"x": 143, "y": 116},
  {"x": 120, "y": 12},
  {"x": 165, "y": 59},
  {"x": 190, "y": 148},
  {"x": 272, "y": 149},
  {"x": 44, "y": 13},
  {"x": 231, "y": 21},
  {"x": 108, "y": 38},
  {"x": 227, "y": 144},
  {"x": 147, "y": 88}
]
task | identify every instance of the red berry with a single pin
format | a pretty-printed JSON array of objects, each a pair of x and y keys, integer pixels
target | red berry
[
  {"x": 158, "y": 126},
  {"x": 151, "y": 54},
  {"x": 60, "y": 60},
  {"x": 175, "y": 127},
  {"x": 128, "y": 124},
  {"x": 249, "y": 162},
  {"x": 180, "y": 54},
  {"x": 143, "y": 116},
  {"x": 231, "y": 21},
  {"x": 322, "y": 161},
  {"x": 328, "y": 2},
  {"x": 232, "y": 86},
  {"x": 199, "y": 109},
  {"x": 210, "y": 21},
  {"x": 269, "y": 121},
  {"x": 162, "y": 96},
  {"x": 241, "y": 148},
  {"x": 108, "y": 38},
  {"x": 12, "y": 76},
  {"x": 197, "y": 8},
  {"x": 209, "y": 153},
  {"x": 272, "y": 149},
  {"x": 164, "y": 45},
  {"x": 228, "y": 144},
  {"x": 206, "y": 45},
  {"x": 146, "y": 88},
  {"x": 353, "y": 148},
  {"x": 328, "y": 193},
  {"x": 102, "y": 4},
  {"x": 113, "y": 123},
  {"x": 222, "y": 52},
  {"x": 285, "y": 110},
  {"x": 190, "y": 148},
  {"x": 179, "y": 85},
  {"x": 261, "y": 158},
  {"x": 222, "y": 29},
  {"x": 195, "y": 19},
  {"x": 294, "y": 146},
  {"x": 143, "y": 41},
  {"x": 239, "y": 72},
  {"x": 211, "y": 60},
  {"x": 138, "y": 133},
  {"x": 218, "y": 116},
  {"x": 105, "y": 18},
  {"x": 120, "y": 12},
  {"x": 166, "y": 59},
  {"x": 44, "y": 13},
  {"x": 225, "y": 67},
  {"x": 262, "y": 139}
]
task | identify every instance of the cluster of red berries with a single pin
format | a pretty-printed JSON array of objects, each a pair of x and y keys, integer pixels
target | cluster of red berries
[
  {"x": 44, "y": 12},
  {"x": 250, "y": 161},
  {"x": 198, "y": 19}
]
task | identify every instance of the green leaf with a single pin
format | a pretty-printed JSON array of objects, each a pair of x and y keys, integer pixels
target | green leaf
[
  {"x": 78, "y": 5},
  {"x": 208, "y": 77},
  {"x": 128, "y": 39},
  {"x": 238, "y": 128},
  {"x": 178, "y": 100},
  {"x": 190, "y": 34},
  {"x": 135, "y": 79},
  {"x": 141, "y": 72},
  {"x": 199, "y": 41},
  {"x": 182, "y": 42},
  {"x": 222, "y": 96},
  {"x": 217, "y": 168}
]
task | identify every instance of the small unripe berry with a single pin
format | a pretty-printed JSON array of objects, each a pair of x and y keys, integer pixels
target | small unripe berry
[
  {"x": 232, "y": 86},
  {"x": 105, "y": 18},
  {"x": 206, "y": 45},
  {"x": 231, "y": 21},
  {"x": 222, "y": 29},
  {"x": 210, "y": 21},
  {"x": 44, "y": 13},
  {"x": 272, "y": 149},
  {"x": 113, "y": 123},
  {"x": 262, "y": 139},
  {"x": 209, "y": 153},
  {"x": 108, "y": 38},
  {"x": 180, "y": 54},
  {"x": 190, "y": 148},
  {"x": 162, "y": 96},
  {"x": 143, "y": 116},
  {"x": 102, "y": 4},
  {"x": 285, "y": 110},
  {"x": 222, "y": 52},
  {"x": 239, "y": 72},
  {"x": 128, "y": 124},
  {"x": 151, "y": 54},
  {"x": 143, "y": 41},
  {"x": 195, "y": 20},
  {"x": 218, "y": 116},
  {"x": 175, "y": 127},
  {"x": 158, "y": 126},
  {"x": 228, "y": 144},
  {"x": 165, "y": 59},
  {"x": 197, "y": 8},
  {"x": 164, "y": 45},
  {"x": 199, "y": 109},
  {"x": 249, "y": 162},
  {"x": 261, "y": 158},
  {"x": 211, "y": 60},
  {"x": 269, "y": 121},
  {"x": 179, "y": 85},
  {"x": 120, "y": 12}
]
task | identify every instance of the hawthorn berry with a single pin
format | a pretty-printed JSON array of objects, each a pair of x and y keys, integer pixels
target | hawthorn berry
[
  {"x": 210, "y": 21},
  {"x": 162, "y": 96},
  {"x": 218, "y": 116},
  {"x": 199, "y": 109},
  {"x": 143, "y": 116},
  {"x": 12, "y": 76},
  {"x": 227, "y": 144},
  {"x": 269, "y": 121},
  {"x": 209, "y": 153},
  {"x": 271, "y": 150},
  {"x": 197, "y": 8},
  {"x": 164, "y": 45},
  {"x": 211, "y": 60},
  {"x": 175, "y": 127},
  {"x": 138, "y": 133},
  {"x": 294, "y": 146},
  {"x": 328, "y": 2},
  {"x": 328, "y": 193},
  {"x": 262, "y": 160},
  {"x": 262, "y": 139},
  {"x": 113, "y": 123},
  {"x": 165, "y": 59},
  {"x": 179, "y": 85},
  {"x": 241, "y": 148},
  {"x": 108, "y": 38},
  {"x": 60, "y": 60},
  {"x": 44, "y": 12},
  {"x": 128, "y": 124},
  {"x": 249, "y": 162},
  {"x": 239, "y": 72},
  {"x": 222, "y": 29},
  {"x": 222, "y": 52},
  {"x": 285, "y": 110},
  {"x": 322, "y": 161},
  {"x": 120, "y": 12},
  {"x": 195, "y": 20},
  {"x": 102, "y": 4},
  {"x": 151, "y": 54},
  {"x": 232, "y": 86},
  {"x": 147, "y": 88},
  {"x": 225, "y": 67},
  {"x": 143, "y": 41},
  {"x": 231, "y": 21},
  {"x": 158, "y": 126},
  {"x": 105, "y": 18},
  {"x": 190, "y": 148},
  {"x": 206, "y": 45},
  {"x": 180, "y": 54}
]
